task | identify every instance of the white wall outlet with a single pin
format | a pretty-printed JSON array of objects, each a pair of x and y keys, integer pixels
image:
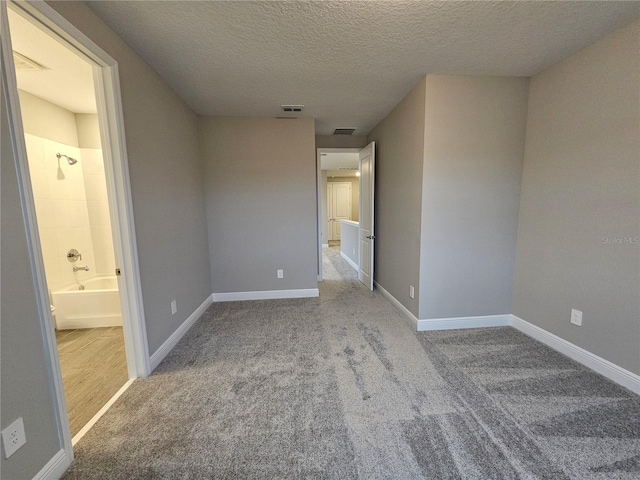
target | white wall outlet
[
  {"x": 13, "y": 437},
  {"x": 576, "y": 317},
  {"x": 412, "y": 291},
  {"x": 174, "y": 307},
  {"x": 280, "y": 273},
  {"x": 354, "y": 251}
]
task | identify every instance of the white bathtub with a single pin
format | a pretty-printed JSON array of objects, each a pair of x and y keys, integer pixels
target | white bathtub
[{"x": 98, "y": 305}]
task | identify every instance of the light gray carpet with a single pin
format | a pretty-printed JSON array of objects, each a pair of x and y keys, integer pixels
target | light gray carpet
[{"x": 343, "y": 387}]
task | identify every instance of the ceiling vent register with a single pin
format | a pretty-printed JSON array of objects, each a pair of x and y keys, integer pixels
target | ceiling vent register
[
  {"x": 344, "y": 131},
  {"x": 25, "y": 63},
  {"x": 292, "y": 108}
]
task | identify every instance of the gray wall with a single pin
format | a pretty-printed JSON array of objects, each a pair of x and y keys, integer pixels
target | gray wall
[
  {"x": 474, "y": 145},
  {"x": 166, "y": 183},
  {"x": 580, "y": 194},
  {"x": 24, "y": 385},
  {"x": 341, "y": 141},
  {"x": 260, "y": 183},
  {"x": 398, "y": 196}
]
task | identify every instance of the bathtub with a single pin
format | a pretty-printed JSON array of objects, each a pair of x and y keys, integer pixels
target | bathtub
[{"x": 98, "y": 305}]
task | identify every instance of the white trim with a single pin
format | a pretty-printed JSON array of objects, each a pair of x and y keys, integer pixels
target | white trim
[
  {"x": 455, "y": 323},
  {"x": 175, "y": 337},
  {"x": 55, "y": 467},
  {"x": 325, "y": 245},
  {"x": 598, "y": 364},
  {"x": 349, "y": 261},
  {"x": 72, "y": 323},
  {"x": 404, "y": 310},
  {"x": 319, "y": 217},
  {"x": 101, "y": 412},
  {"x": 266, "y": 295},
  {"x": 423, "y": 325},
  {"x": 590, "y": 360}
]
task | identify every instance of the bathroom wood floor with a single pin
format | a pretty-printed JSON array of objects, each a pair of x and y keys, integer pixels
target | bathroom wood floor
[{"x": 94, "y": 367}]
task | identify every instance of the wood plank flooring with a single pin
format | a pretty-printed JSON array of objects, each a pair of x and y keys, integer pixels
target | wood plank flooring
[{"x": 94, "y": 367}]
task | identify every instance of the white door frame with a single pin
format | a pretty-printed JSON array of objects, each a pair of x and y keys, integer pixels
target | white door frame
[
  {"x": 108, "y": 98},
  {"x": 369, "y": 150},
  {"x": 320, "y": 195}
]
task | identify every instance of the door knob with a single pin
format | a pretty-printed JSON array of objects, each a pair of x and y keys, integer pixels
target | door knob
[{"x": 371, "y": 237}]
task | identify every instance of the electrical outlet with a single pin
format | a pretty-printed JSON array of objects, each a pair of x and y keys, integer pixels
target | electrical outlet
[
  {"x": 354, "y": 251},
  {"x": 412, "y": 292},
  {"x": 576, "y": 317},
  {"x": 280, "y": 273},
  {"x": 174, "y": 307},
  {"x": 13, "y": 437}
]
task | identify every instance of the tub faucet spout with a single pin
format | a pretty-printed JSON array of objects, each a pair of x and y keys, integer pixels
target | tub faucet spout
[{"x": 77, "y": 269}]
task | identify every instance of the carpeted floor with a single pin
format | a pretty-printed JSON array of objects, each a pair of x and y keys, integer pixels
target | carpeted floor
[{"x": 343, "y": 387}]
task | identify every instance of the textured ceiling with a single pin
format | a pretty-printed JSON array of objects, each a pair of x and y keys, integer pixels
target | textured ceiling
[{"x": 348, "y": 62}]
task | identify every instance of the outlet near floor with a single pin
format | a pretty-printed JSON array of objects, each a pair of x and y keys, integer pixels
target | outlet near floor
[
  {"x": 13, "y": 437},
  {"x": 412, "y": 291},
  {"x": 174, "y": 307},
  {"x": 576, "y": 317},
  {"x": 280, "y": 273}
]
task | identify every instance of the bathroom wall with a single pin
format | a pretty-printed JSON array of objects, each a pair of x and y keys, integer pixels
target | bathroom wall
[
  {"x": 61, "y": 209},
  {"x": 95, "y": 185},
  {"x": 71, "y": 200}
]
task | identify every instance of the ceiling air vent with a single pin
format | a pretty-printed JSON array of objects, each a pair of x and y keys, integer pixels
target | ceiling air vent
[
  {"x": 344, "y": 131},
  {"x": 25, "y": 63},
  {"x": 292, "y": 108},
  {"x": 348, "y": 168}
]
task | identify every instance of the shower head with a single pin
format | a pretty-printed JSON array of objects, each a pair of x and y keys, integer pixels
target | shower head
[{"x": 71, "y": 161}]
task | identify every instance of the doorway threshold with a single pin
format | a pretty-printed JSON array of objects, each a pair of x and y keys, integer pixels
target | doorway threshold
[{"x": 101, "y": 412}]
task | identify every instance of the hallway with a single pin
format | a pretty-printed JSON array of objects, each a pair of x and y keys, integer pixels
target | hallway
[{"x": 334, "y": 267}]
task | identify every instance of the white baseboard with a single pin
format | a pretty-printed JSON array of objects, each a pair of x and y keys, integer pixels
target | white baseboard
[
  {"x": 590, "y": 360},
  {"x": 463, "y": 322},
  {"x": 350, "y": 262},
  {"x": 55, "y": 468},
  {"x": 394, "y": 301},
  {"x": 325, "y": 245},
  {"x": 72, "y": 323},
  {"x": 266, "y": 295},
  {"x": 175, "y": 337},
  {"x": 604, "y": 367}
]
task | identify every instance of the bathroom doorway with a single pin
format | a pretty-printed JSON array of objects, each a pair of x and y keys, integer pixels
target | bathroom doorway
[{"x": 76, "y": 198}]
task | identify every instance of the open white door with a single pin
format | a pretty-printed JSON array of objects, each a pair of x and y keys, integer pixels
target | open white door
[{"x": 367, "y": 177}]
